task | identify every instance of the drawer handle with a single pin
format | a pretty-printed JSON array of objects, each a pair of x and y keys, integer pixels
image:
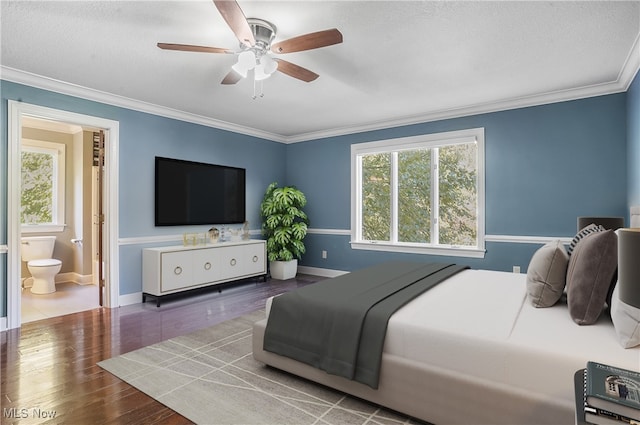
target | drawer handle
[
  {"x": 207, "y": 266},
  {"x": 255, "y": 258},
  {"x": 177, "y": 270},
  {"x": 232, "y": 262}
]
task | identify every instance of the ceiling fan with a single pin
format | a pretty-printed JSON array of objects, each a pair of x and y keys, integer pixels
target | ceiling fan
[{"x": 255, "y": 36}]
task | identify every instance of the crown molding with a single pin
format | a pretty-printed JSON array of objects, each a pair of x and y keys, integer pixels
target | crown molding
[
  {"x": 631, "y": 65},
  {"x": 483, "y": 108},
  {"x": 62, "y": 87},
  {"x": 621, "y": 84}
]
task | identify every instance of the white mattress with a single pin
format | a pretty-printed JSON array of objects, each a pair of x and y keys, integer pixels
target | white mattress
[{"x": 481, "y": 324}]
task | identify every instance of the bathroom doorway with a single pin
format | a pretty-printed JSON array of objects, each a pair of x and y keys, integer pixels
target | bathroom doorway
[
  {"x": 61, "y": 181},
  {"x": 78, "y": 286}
]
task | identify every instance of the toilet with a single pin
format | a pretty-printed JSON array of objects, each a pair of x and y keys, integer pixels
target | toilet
[{"x": 37, "y": 251}]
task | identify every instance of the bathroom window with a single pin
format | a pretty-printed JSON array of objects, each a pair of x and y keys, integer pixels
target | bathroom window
[{"x": 42, "y": 196}]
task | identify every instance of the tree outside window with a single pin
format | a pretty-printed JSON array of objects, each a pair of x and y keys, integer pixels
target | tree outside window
[
  {"x": 42, "y": 183},
  {"x": 423, "y": 192}
]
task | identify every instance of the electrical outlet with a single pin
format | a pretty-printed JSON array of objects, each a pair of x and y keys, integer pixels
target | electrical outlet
[
  {"x": 516, "y": 269},
  {"x": 324, "y": 254}
]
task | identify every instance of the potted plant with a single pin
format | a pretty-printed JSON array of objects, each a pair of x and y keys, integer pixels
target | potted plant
[{"x": 284, "y": 225}]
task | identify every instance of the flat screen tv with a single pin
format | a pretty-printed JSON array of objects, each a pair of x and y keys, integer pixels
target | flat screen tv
[{"x": 189, "y": 193}]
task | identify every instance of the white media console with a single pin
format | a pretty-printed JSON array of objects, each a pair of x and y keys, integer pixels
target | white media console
[{"x": 171, "y": 269}]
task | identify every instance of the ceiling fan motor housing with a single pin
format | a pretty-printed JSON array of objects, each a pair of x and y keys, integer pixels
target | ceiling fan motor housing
[{"x": 264, "y": 32}]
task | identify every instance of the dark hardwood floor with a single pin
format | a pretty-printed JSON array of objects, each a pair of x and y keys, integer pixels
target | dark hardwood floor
[{"x": 48, "y": 368}]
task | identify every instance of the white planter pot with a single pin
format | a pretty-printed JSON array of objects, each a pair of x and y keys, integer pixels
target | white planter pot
[{"x": 283, "y": 270}]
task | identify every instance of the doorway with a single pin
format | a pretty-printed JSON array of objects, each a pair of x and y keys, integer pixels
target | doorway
[
  {"x": 19, "y": 111},
  {"x": 59, "y": 200}
]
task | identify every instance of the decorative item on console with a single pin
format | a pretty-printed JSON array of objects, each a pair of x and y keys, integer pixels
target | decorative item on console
[
  {"x": 194, "y": 239},
  {"x": 235, "y": 235},
  {"x": 245, "y": 231},
  {"x": 214, "y": 235}
]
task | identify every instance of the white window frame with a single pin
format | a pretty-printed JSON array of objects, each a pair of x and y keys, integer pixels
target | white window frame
[
  {"x": 57, "y": 150},
  {"x": 412, "y": 143}
]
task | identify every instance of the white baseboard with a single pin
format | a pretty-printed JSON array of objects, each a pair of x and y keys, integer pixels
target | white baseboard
[
  {"x": 317, "y": 271},
  {"x": 129, "y": 299},
  {"x": 83, "y": 279},
  {"x": 65, "y": 277},
  {"x": 75, "y": 278},
  {"x": 3, "y": 324}
]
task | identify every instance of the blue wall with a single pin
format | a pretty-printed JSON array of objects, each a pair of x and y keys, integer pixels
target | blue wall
[
  {"x": 633, "y": 140},
  {"x": 545, "y": 166},
  {"x": 142, "y": 137}
]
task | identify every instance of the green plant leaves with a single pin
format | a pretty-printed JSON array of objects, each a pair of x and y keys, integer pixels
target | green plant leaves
[
  {"x": 284, "y": 223},
  {"x": 299, "y": 230}
]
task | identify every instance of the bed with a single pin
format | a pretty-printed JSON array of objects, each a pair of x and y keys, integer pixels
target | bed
[{"x": 473, "y": 349}]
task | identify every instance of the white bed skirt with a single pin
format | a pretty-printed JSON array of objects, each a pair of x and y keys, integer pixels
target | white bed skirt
[{"x": 434, "y": 395}]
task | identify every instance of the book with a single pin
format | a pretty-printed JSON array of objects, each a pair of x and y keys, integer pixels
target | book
[
  {"x": 597, "y": 416},
  {"x": 592, "y": 415},
  {"x": 599, "y": 419},
  {"x": 613, "y": 389}
]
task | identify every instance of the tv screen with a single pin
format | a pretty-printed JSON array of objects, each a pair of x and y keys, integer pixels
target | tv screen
[{"x": 197, "y": 193}]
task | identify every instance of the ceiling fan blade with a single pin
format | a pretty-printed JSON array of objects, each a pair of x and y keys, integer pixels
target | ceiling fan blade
[
  {"x": 233, "y": 15},
  {"x": 231, "y": 78},
  {"x": 192, "y": 48},
  {"x": 295, "y": 71},
  {"x": 309, "y": 41}
]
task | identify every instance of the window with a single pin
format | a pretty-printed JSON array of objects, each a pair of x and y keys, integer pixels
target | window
[
  {"x": 42, "y": 196},
  {"x": 422, "y": 194}
]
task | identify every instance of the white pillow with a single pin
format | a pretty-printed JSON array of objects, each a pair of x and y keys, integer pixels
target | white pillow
[{"x": 626, "y": 321}]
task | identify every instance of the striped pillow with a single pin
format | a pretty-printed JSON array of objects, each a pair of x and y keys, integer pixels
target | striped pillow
[{"x": 592, "y": 228}]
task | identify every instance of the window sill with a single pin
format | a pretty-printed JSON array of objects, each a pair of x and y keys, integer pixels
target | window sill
[
  {"x": 420, "y": 249},
  {"x": 42, "y": 228}
]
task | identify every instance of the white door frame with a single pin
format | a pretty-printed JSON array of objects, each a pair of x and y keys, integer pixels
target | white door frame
[{"x": 17, "y": 110}]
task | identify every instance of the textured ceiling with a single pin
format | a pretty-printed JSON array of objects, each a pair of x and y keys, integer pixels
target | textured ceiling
[{"x": 401, "y": 61}]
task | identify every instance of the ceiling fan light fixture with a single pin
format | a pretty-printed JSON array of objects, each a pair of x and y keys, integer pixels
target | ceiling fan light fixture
[
  {"x": 266, "y": 66},
  {"x": 270, "y": 66},
  {"x": 259, "y": 74},
  {"x": 246, "y": 61}
]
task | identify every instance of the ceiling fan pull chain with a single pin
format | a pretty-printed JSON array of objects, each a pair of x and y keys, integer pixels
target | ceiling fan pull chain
[{"x": 261, "y": 93}]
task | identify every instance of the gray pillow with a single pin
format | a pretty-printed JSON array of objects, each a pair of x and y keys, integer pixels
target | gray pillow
[
  {"x": 589, "y": 276},
  {"x": 547, "y": 274}
]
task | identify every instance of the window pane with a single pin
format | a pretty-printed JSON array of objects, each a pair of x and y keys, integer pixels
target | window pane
[
  {"x": 37, "y": 188},
  {"x": 458, "y": 201},
  {"x": 414, "y": 196},
  {"x": 376, "y": 197}
]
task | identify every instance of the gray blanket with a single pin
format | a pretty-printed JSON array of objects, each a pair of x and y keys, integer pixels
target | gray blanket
[{"x": 339, "y": 325}]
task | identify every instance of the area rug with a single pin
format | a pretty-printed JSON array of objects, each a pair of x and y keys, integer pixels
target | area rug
[{"x": 211, "y": 378}]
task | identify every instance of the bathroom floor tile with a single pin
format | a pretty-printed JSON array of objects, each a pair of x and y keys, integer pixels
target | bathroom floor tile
[{"x": 68, "y": 298}]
